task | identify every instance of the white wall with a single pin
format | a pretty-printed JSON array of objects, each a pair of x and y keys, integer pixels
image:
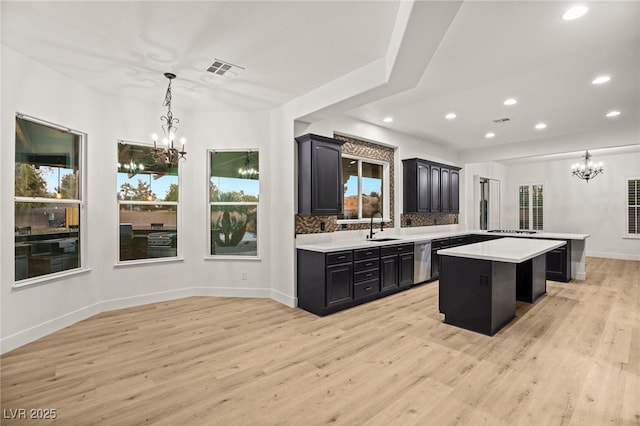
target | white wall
[
  {"x": 573, "y": 205},
  {"x": 32, "y": 312},
  {"x": 469, "y": 216}
]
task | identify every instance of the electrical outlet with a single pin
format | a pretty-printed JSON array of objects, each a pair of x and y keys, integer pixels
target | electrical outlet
[{"x": 244, "y": 275}]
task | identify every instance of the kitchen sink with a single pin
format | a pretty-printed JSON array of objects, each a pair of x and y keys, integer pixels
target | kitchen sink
[{"x": 382, "y": 239}]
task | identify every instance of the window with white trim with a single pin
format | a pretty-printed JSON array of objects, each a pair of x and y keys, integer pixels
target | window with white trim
[
  {"x": 234, "y": 194},
  {"x": 148, "y": 205},
  {"x": 633, "y": 206},
  {"x": 48, "y": 199},
  {"x": 530, "y": 207},
  {"x": 366, "y": 185}
]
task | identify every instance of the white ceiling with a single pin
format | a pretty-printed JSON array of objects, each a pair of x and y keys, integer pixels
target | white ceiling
[
  {"x": 123, "y": 48},
  {"x": 491, "y": 51}
]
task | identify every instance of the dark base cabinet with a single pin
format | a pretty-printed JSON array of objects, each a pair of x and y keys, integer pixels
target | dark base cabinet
[
  {"x": 330, "y": 282},
  {"x": 559, "y": 263}
]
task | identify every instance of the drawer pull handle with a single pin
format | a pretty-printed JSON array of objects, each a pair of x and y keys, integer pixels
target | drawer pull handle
[
  {"x": 368, "y": 275},
  {"x": 367, "y": 288},
  {"x": 368, "y": 253},
  {"x": 341, "y": 257},
  {"x": 369, "y": 264}
]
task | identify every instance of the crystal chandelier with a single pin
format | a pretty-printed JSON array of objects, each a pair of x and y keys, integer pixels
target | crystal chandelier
[
  {"x": 587, "y": 169},
  {"x": 167, "y": 154}
]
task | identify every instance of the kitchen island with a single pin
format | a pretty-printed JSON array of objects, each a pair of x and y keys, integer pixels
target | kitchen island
[{"x": 479, "y": 283}]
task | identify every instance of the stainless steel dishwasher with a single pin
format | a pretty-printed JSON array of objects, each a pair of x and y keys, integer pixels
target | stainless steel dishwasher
[{"x": 421, "y": 261}]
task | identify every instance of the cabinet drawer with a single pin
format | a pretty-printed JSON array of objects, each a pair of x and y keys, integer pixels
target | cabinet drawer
[
  {"x": 368, "y": 253},
  {"x": 405, "y": 248},
  {"x": 366, "y": 264},
  {"x": 369, "y": 274},
  {"x": 339, "y": 257},
  {"x": 366, "y": 288}
]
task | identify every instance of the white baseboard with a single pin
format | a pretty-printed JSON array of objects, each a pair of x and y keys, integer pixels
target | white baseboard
[
  {"x": 21, "y": 338},
  {"x": 285, "y": 299},
  {"x": 620, "y": 256}
]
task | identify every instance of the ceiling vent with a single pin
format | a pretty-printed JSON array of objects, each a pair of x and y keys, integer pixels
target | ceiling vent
[
  {"x": 224, "y": 69},
  {"x": 502, "y": 120}
]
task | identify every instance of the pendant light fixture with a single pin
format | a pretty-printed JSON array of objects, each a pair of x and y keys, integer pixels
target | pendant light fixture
[
  {"x": 167, "y": 154},
  {"x": 587, "y": 169}
]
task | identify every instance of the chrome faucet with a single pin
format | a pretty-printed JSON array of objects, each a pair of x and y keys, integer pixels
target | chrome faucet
[{"x": 371, "y": 233}]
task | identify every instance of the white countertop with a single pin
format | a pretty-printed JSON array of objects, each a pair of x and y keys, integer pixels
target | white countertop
[
  {"x": 511, "y": 250},
  {"x": 350, "y": 244}
]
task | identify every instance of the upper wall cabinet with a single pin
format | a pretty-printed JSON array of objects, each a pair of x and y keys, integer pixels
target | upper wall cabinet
[
  {"x": 430, "y": 187},
  {"x": 320, "y": 190}
]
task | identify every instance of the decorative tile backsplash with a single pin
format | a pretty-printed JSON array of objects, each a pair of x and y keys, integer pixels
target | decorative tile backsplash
[{"x": 410, "y": 220}]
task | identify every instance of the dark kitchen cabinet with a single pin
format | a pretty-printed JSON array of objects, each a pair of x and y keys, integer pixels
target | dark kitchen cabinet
[
  {"x": 454, "y": 191},
  {"x": 366, "y": 275},
  {"x": 445, "y": 190},
  {"x": 396, "y": 263},
  {"x": 320, "y": 187},
  {"x": 330, "y": 282},
  {"x": 389, "y": 266},
  {"x": 325, "y": 280},
  {"x": 430, "y": 187},
  {"x": 339, "y": 284},
  {"x": 559, "y": 263},
  {"x": 416, "y": 194},
  {"x": 436, "y": 205}
]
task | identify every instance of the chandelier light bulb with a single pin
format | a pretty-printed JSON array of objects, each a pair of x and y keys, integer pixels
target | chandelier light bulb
[{"x": 154, "y": 137}]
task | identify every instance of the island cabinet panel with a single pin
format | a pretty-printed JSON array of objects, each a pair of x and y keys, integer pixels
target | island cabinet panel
[
  {"x": 477, "y": 295},
  {"x": 430, "y": 187},
  {"x": 559, "y": 263},
  {"x": 320, "y": 187}
]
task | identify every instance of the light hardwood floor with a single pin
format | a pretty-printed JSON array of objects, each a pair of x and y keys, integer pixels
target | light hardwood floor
[{"x": 571, "y": 358}]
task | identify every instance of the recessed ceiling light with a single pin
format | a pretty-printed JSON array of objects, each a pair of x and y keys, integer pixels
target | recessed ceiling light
[
  {"x": 575, "y": 12},
  {"x": 489, "y": 135},
  {"x": 388, "y": 119},
  {"x": 601, "y": 79},
  {"x": 510, "y": 101},
  {"x": 450, "y": 116},
  {"x": 613, "y": 113},
  {"x": 541, "y": 126}
]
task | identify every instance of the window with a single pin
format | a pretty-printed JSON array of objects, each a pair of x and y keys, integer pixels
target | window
[
  {"x": 530, "y": 207},
  {"x": 148, "y": 195},
  {"x": 48, "y": 199},
  {"x": 633, "y": 206},
  {"x": 234, "y": 189},
  {"x": 365, "y": 185}
]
